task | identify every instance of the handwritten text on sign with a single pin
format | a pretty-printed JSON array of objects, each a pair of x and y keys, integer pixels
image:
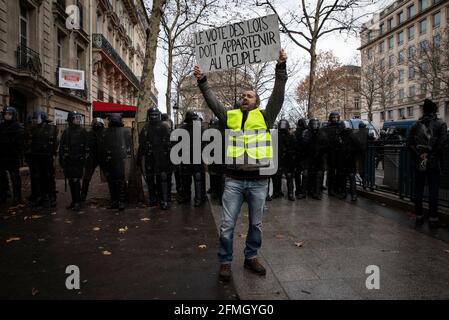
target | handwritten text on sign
[{"x": 242, "y": 43}]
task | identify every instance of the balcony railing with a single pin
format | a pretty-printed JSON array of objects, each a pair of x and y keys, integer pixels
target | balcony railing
[
  {"x": 100, "y": 42},
  {"x": 28, "y": 60}
]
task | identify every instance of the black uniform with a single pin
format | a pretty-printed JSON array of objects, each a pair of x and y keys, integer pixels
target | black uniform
[
  {"x": 216, "y": 171},
  {"x": 113, "y": 149},
  {"x": 301, "y": 189},
  {"x": 191, "y": 169},
  {"x": 315, "y": 144},
  {"x": 332, "y": 151},
  {"x": 154, "y": 147},
  {"x": 426, "y": 141},
  {"x": 11, "y": 151},
  {"x": 73, "y": 152},
  {"x": 40, "y": 150},
  {"x": 286, "y": 154},
  {"x": 92, "y": 161},
  {"x": 349, "y": 149}
]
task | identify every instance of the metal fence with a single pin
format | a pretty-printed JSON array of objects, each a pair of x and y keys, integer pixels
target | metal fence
[{"x": 388, "y": 167}]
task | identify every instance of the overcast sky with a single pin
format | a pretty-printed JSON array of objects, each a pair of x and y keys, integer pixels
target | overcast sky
[{"x": 344, "y": 47}]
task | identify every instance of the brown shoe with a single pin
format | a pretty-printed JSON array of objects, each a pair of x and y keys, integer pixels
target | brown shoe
[
  {"x": 225, "y": 273},
  {"x": 255, "y": 266}
]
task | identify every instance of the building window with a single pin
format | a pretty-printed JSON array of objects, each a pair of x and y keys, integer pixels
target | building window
[
  {"x": 411, "y": 72},
  {"x": 411, "y": 11},
  {"x": 390, "y": 42},
  {"x": 411, "y": 32},
  {"x": 356, "y": 103},
  {"x": 370, "y": 53},
  {"x": 382, "y": 116},
  {"x": 411, "y": 52},
  {"x": 401, "y": 112},
  {"x": 100, "y": 95},
  {"x": 381, "y": 47},
  {"x": 390, "y": 114},
  {"x": 79, "y": 59},
  {"x": 99, "y": 23},
  {"x": 401, "y": 93},
  {"x": 423, "y": 26},
  {"x": 382, "y": 64},
  {"x": 401, "y": 38},
  {"x": 437, "y": 40},
  {"x": 412, "y": 91},
  {"x": 423, "y": 4},
  {"x": 436, "y": 19},
  {"x": 400, "y": 17},
  {"x": 401, "y": 74},
  {"x": 423, "y": 88},
  {"x": 401, "y": 56},
  {"x": 111, "y": 99},
  {"x": 391, "y": 61},
  {"x": 389, "y": 23},
  {"x": 381, "y": 28},
  {"x": 409, "y": 112},
  {"x": 423, "y": 46},
  {"x": 370, "y": 35},
  {"x": 23, "y": 23}
]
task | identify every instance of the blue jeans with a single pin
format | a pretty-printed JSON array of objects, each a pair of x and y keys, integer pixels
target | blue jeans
[{"x": 235, "y": 191}]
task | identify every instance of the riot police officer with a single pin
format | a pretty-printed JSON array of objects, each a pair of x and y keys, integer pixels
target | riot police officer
[
  {"x": 73, "y": 152},
  {"x": 154, "y": 147},
  {"x": 92, "y": 161},
  {"x": 314, "y": 146},
  {"x": 40, "y": 150},
  {"x": 11, "y": 146},
  {"x": 189, "y": 170},
  {"x": 216, "y": 171},
  {"x": 114, "y": 148},
  {"x": 349, "y": 148},
  {"x": 286, "y": 153},
  {"x": 165, "y": 118},
  {"x": 331, "y": 156},
  {"x": 301, "y": 189}
]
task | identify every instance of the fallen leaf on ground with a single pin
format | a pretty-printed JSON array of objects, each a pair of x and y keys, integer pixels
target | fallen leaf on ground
[
  {"x": 106, "y": 253},
  {"x": 25, "y": 218},
  {"x": 53, "y": 213},
  {"x": 447, "y": 251},
  {"x": 123, "y": 230},
  {"x": 36, "y": 216},
  {"x": 12, "y": 239},
  {"x": 299, "y": 244},
  {"x": 96, "y": 229},
  {"x": 280, "y": 236},
  {"x": 202, "y": 246},
  {"x": 145, "y": 219},
  {"x": 34, "y": 291},
  {"x": 68, "y": 221},
  {"x": 41, "y": 240}
]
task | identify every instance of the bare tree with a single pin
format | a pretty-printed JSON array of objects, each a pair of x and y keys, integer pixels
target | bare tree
[{"x": 315, "y": 19}]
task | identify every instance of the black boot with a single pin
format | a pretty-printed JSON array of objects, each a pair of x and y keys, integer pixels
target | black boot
[
  {"x": 164, "y": 191},
  {"x": 84, "y": 189},
  {"x": 352, "y": 187},
  {"x": 198, "y": 189},
  {"x": 76, "y": 195},
  {"x": 152, "y": 192},
  {"x": 113, "y": 194},
  {"x": 317, "y": 190},
  {"x": 277, "y": 186},
  {"x": 16, "y": 185},
  {"x": 419, "y": 220},
  {"x": 291, "y": 195},
  {"x": 121, "y": 190},
  {"x": 71, "y": 188},
  {"x": 304, "y": 185}
]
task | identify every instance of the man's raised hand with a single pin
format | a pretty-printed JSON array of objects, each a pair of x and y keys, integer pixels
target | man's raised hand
[
  {"x": 282, "y": 56},
  {"x": 197, "y": 72}
]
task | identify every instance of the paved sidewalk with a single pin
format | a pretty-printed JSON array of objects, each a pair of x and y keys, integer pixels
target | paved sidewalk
[
  {"x": 320, "y": 250},
  {"x": 140, "y": 253}
]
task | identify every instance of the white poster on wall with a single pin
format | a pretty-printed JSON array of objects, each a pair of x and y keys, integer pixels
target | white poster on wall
[
  {"x": 242, "y": 43},
  {"x": 71, "y": 79}
]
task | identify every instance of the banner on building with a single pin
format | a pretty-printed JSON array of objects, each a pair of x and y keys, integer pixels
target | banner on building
[
  {"x": 71, "y": 79},
  {"x": 242, "y": 43}
]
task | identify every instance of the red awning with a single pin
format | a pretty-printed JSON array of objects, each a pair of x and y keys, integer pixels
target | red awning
[{"x": 98, "y": 106}]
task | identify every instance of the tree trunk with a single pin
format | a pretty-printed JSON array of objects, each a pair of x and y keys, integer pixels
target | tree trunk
[
  {"x": 135, "y": 190},
  {"x": 169, "y": 77},
  {"x": 310, "y": 103}
]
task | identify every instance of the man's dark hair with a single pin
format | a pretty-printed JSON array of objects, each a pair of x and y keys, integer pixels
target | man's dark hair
[{"x": 429, "y": 106}]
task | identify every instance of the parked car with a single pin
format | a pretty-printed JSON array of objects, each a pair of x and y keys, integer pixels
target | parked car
[
  {"x": 354, "y": 124},
  {"x": 402, "y": 127}
]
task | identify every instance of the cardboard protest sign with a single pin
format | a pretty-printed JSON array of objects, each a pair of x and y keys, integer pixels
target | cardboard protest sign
[{"x": 242, "y": 43}]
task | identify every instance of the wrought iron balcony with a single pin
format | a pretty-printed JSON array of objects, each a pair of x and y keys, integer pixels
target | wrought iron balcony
[
  {"x": 100, "y": 42},
  {"x": 28, "y": 60}
]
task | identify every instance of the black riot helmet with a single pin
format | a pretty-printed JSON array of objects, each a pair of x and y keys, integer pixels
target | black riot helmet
[
  {"x": 334, "y": 117},
  {"x": 214, "y": 122},
  {"x": 191, "y": 116},
  {"x": 154, "y": 115},
  {"x": 362, "y": 125},
  {"x": 302, "y": 124},
  {"x": 283, "y": 125},
  {"x": 341, "y": 127},
  {"x": 164, "y": 117},
  {"x": 42, "y": 115},
  {"x": 12, "y": 111},
  {"x": 115, "y": 120},
  {"x": 97, "y": 123},
  {"x": 72, "y": 115},
  {"x": 314, "y": 124}
]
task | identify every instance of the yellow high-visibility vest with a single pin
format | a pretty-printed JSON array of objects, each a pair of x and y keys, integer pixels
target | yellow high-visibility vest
[{"x": 257, "y": 145}]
